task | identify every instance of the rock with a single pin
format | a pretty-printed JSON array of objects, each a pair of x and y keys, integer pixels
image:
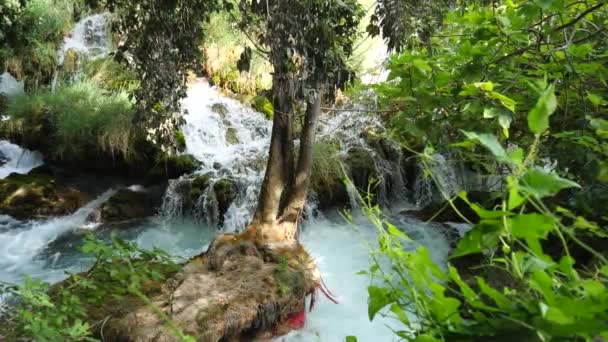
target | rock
[
  {"x": 3, "y": 159},
  {"x": 226, "y": 192},
  {"x": 203, "y": 301},
  {"x": 37, "y": 194},
  {"x": 199, "y": 185},
  {"x": 220, "y": 108},
  {"x": 180, "y": 140},
  {"x": 231, "y": 136},
  {"x": 125, "y": 205},
  {"x": 170, "y": 167},
  {"x": 362, "y": 168}
]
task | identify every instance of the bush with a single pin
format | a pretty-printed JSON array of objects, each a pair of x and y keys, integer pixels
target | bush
[
  {"x": 34, "y": 35},
  {"x": 539, "y": 280},
  {"x": 80, "y": 118}
]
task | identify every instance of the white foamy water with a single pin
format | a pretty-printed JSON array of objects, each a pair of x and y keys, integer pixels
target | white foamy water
[
  {"x": 341, "y": 250},
  {"x": 17, "y": 159},
  {"x": 20, "y": 245},
  {"x": 9, "y": 85}
]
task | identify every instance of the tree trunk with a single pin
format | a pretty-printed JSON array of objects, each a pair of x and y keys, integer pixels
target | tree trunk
[
  {"x": 279, "y": 168},
  {"x": 299, "y": 192}
]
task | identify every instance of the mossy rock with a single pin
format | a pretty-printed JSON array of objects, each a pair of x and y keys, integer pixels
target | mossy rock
[
  {"x": 226, "y": 192},
  {"x": 124, "y": 205},
  {"x": 199, "y": 185},
  {"x": 362, "y": 168},
  {"x": 262, "y": 104},
  {"x": 180, "y": 140},
  {"x": 231, "y": 136},
  {"x": 169, "y": 167},
  {"x": 37, "y": 194},
  {"x": 327, "y": 176},
  {"x": 220, "y": 108}
]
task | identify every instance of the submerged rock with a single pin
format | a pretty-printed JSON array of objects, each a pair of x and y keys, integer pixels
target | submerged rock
[
  {"x": 37, "y": 194},
  {"x": 231, "y": 137},
  {"x": 220, "y": 108},
  {"x": 125, "y": 205}
]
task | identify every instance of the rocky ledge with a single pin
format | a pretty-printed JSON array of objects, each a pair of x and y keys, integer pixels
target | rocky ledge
[{"x": 236, "y": 291}]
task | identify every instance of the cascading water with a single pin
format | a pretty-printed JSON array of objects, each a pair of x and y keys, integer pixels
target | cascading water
[
  {"x": 231, "y": 140},
  {"x": 89, "y": 37},
  {"x": 9, "y": 85},
  {"x": 16, "y": 159}
]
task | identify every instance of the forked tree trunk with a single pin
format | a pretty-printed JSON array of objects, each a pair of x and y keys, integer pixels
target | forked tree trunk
[
  {"x": 283, "y": 193},
  {"x": 299, "y": 191},
  {"x": 279, "y": 168}
]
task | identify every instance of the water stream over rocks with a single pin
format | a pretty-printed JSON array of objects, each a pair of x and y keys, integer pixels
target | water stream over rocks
[{"x": 231, "y": 141}]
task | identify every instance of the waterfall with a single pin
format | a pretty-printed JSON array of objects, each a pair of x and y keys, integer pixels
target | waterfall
[
  {"x": 22, "y": 241},
  {"x": 90, "y": 37},
  {"x": 9, "y": 85},
  {"x": 14, "y": 158}
]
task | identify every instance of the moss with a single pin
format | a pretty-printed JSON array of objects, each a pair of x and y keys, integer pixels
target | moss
[
  {"x": 226, "y": 192},
  {"x": 327, "y": 176},
  {"x": 231, "y": 137},
  {"x": 220, "y": 108},
  {"x": 362, "y": 168},
  {"x": 199, "y": 185},
  {"x": 37, "y": 194},
  {"x": 169, "y": 167},
  {"x": 124, "y": 205},
  {"x": 180, "y": 140},
  {"x": 263, "y": 105}
]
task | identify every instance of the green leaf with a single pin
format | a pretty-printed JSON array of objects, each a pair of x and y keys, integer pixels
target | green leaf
[
  {"x": 498, "y": 297},
  {"x": 489, "y": 141},
  {"x": 378, "y": 298},
  {"x": 531, "y": 225},
  {"x": 507, "y": 102},
  {"x": 395, "y": 232},
  {"x": 351, "y": 339},
  {"x": 485, "y": 86},
  {"x": 485, "y": 234},
  {"x": 540, "y": 183},
  {"x": 538, "y": 117},
  {"x": 400, "y": 313}
]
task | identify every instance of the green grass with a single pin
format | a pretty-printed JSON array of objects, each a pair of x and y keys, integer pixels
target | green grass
[{"x": 80, "y": 117}]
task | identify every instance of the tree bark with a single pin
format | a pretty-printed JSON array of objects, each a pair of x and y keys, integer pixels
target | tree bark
[
  {"x": 299, "y": 191},
  {"x": 279, "y": 168}
]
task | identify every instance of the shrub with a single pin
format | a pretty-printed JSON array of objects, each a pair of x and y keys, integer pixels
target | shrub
[{"x": 80, "y": 117}]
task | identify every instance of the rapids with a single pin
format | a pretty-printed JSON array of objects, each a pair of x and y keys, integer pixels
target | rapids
[{"x": 46, "y": 249}]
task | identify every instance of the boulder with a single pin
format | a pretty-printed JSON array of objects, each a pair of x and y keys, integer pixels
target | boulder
[
  {"x": 125, "y": 205},
  {"x": 362, "y": 168},
  {"x": 37, "y": 194},
  {"x": 220, "y": 109},
  {"x": 170, "y": 167},
  {"x": 231, "y": 136},
  {"x": 226, "y": 192},
  {"x": 203, "y": 301},
  {"x": 199, "y": 185}
]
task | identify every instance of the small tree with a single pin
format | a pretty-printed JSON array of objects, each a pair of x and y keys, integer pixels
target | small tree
[{"x": 308, "y": 43}]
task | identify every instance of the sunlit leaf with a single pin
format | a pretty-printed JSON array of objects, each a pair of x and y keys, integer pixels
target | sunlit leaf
[
  {"x": 489, "y": 141},
  {"x": 541, "y": 183},
  {"x": 538, "y": 117}
]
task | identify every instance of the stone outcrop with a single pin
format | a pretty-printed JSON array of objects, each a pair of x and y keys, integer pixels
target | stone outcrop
[
  {"x": 38, "y": 194},
  {"x": 236, "y": 291}
]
